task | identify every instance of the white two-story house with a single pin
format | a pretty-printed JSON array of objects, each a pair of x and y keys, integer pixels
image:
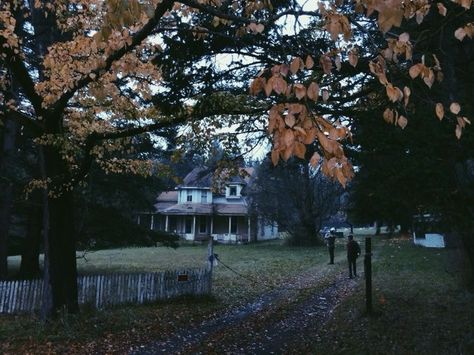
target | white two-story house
[{"x": 195, "y": 212}]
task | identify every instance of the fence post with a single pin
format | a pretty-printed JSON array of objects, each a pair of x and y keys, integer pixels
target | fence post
[
  {"x": 368, "y": 274},
  {"x": 210, "y": 260}
]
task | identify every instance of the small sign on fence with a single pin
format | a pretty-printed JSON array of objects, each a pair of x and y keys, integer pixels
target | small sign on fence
[{"x": 183, "y": 277}]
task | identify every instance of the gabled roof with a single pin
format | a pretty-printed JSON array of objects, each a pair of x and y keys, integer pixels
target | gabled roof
[
  {"x": 198, "y": 177},
  {"x": 202, "y": 177}
]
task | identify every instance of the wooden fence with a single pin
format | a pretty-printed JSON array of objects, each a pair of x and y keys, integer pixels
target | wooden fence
[{"x": 111, "y": 289}]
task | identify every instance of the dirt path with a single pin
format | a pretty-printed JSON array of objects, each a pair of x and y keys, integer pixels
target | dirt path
[{"x": 279, "y": 321}]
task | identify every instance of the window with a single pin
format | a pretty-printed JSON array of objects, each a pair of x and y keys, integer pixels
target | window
[
  {"x": 203, "y": 196},
  {"x": 189, "y": 197},
  {"x": 188, "y": 228},
  {"x": 232, "y": 190},
  {"x": 233, "y": 225}
]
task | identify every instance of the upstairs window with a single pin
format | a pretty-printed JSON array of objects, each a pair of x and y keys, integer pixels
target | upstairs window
[
  {"x": 232, "y": 190},
  {"x": 189, "y": 196},
  {"x": 203, "y": 196}
]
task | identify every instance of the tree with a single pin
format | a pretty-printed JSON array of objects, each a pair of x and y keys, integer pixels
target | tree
[
  {"x": 85, "y": 72},
  {"x": 295, "y": 196}
]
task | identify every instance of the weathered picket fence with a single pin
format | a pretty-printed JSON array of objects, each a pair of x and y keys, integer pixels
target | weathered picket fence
[{"x": 110, "y": 289}]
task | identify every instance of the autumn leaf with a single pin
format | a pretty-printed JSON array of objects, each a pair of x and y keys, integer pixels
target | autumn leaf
[
  {"x": 458, "y": 131},
  {"x": 326, "y": 63},
  {"x": 353, "y": 57},
  {"x": 300, "y": 91},
  {"x": 325, "y": 95},
  {"x": 290, "y": 120},
  {"x": 415, "y": 70},
  {"x": 313, "y": 91},
  {"x": 315, "y": 158},
  {"x": 300, "y": 150},
  {"x": 460, "y": 33},
  {"x": 455, "y": 108},
  {"x": 406, "y": 95},
  {"x": 388, "y": 115},
  {"x": 442, "y": 9},
  {"x": 279, "y": 85},
  {"x": 402, "y": 121},
  {"x": 439, "y": 110},
  {"x": 295, "y": 65}
]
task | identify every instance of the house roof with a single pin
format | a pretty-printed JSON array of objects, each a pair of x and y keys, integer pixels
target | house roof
[
  {"x": 166, "y": 199},
  {"x": 202, "y": 177},
  {"x": 205, "y": 209}
]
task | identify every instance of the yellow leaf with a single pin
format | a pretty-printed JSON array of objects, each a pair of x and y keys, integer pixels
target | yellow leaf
[
  {"x": 279, "y": 85},
  {"x": 315, "y": 159},
  {"x": 455, "y": 108},
  {"x": 290, "y": 120},
  {"x": 388, "y": 115},
  {"x": 300, "y": 91},
  {"x": 458, "y": 131},
  {"x": 404, "y": 37},
  {"x": 295, "y": 65},
  {"x": 439, "y": 110},
  {"x": 402, "y": 121},
  {"x": 313, "y": 91},
  {"x": 269, "y": 86},
  {"x": 325, "y": 63},
  {"x": 300, "y": 150},
  {"x": 460, "y": 33},
  {"x": 442, "y": 9},
  {"x": 406, "y": 95},
  {"x": 415, "y": 70}
]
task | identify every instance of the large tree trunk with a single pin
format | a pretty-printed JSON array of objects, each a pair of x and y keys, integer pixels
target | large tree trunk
[
  {"x": 6, "y": 187},
  {"x": 30, "y": 267},
  {"x": 61, "y": 236}
]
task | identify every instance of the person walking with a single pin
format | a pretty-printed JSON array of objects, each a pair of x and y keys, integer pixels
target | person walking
[
  {"x": 330, "y": 238},
  {"x": 353, "y": 252}
]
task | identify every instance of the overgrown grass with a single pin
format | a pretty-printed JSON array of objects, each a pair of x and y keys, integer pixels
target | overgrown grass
[
  {"x": 421, "y": 306},
  {"x": 260, "y": 264}
]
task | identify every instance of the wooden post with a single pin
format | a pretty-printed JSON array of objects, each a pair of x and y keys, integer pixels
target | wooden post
[
  {"x": 230, "y": 224},
  {"x": 368, "y": 274},
  {"x": 166, "y": 224},
  {"x": 248, "y": 229},
  {"x": 194, "y": 227},
  {"x": 210, "y": 259},
  {"x": 152, "y": 222}
]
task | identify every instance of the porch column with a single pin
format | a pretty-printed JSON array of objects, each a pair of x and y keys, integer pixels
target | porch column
[
  {"x": 166, "y": 223},
  {"x": 152, "y": 222},
  {"x": 194, "y": 227},
  {"x": 230, "y": 223},
  {"x": 212, "y": 225},
  {"x": 138, "y": 219},
  {"x": 248, "y": 230}
]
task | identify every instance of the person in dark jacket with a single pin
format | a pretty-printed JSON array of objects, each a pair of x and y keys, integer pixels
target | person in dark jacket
[
  {"x": 353, "y": 252},
  {"x": 330, "y": 238}
]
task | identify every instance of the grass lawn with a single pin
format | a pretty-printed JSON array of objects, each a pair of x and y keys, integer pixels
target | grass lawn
[
  {"x": 261, "y": 264},
  {"x": 420, "y": 303},
  {"x": 421, "y": 306}
]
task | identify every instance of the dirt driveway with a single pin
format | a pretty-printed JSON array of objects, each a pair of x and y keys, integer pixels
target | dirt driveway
[{"x": 285, "y": 320}]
